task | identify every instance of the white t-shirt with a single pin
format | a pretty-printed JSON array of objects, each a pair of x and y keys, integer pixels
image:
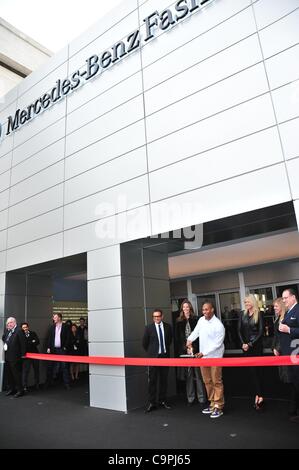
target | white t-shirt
[{"x": 211, "y": 336}]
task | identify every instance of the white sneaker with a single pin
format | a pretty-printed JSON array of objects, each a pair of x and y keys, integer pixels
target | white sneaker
[
  {"x": 216, "y": 413},
  {"x": 207, "y": 411}
]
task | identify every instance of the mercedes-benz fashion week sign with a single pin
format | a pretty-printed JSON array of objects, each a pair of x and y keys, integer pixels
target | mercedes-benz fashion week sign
[{"x": 96, "y": 64}]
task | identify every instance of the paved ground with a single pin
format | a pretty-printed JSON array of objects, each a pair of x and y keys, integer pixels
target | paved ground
[{"x": 56, "y": 418}]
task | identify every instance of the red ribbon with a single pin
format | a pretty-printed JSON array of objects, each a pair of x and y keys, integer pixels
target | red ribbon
[{"x": 176, "y": 362}]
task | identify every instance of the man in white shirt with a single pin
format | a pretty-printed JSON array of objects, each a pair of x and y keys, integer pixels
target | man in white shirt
[{"x": 210, "y": 332}]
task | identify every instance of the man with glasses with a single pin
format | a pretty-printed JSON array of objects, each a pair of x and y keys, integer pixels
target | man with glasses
[
  {"x": 156, "y": 341},
  {"x": 289, "y": 342}
]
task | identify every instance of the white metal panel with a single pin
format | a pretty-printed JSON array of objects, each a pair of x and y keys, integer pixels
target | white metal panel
[
  {"x": 36, "y": 205},
  {"x": 120, "y": 143},
  {"x": 227, "y": 126},
  {"x": 43, "y": 139},
  {"x": 4, "y": 195},
  {"x": 212, "y": 45},
  {"x": 218, "y": 67},
  {"x": 38, "y": 251},
  {"x": 112, "y": 201},
  {"x": 107, "y": 175},
  {"x": 5, "y": 163},
  {"x": 39, "y": 227},
  {"x": 280, "y": 35},
  {"x": 38, "y": 162},
  {"x": 289, "y": 132},
  {"x": 241, "y": 87},
  {"x": 283, "y": 68},
  {"x": 3, "y": 219},
  {"x": 105, "y": 293},
  {"x": 4, "y": 180},
  {"x": 293, "y": 171},
  {"x": 99, "y": 329},
  {"x": 3, "y": 240},
  {"x": 268, "y": 11},
  {"x": 286, "y": 101},
  {"x": 103, "y": 263},
  {"x": 223, "y": 199},
  {"x": 108, "y": 392},
  {"x": 2, "y": 283},
  {"x": 227, "y": 161},
  {"x": 40, "y": 182},
  {"x": 2, "y": 261}
]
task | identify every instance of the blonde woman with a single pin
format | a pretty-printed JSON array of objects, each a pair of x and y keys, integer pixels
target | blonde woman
[
  {"x": 279, "y": 309},
  {"x": 250, "y": 329}
]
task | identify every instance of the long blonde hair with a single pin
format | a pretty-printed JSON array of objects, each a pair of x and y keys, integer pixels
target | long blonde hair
[
  {"x": 256, "y": 311},
  {"x": 279, "y": 301}
]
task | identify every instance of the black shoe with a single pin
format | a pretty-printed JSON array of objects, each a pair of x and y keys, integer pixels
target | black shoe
[
  {"x": 191, "y": 403},
  {"x": 10, "y": 392},
  {"x": 151, "y": 407},
  {"x": 18, "y": 394},
  {"x": 165, "y": 405}
]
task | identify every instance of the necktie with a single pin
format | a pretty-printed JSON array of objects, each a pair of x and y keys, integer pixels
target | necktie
[
  {"x": 8, "y": 336},
  {"x": 162, "y": 345}
]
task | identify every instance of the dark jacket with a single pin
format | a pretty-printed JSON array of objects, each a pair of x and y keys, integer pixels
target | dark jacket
[
  {"x": 150, "y": 340},
  {"x": 32, "y": 342},
  {"x": 292, "y": 320},
  {"x": 65, "y": 336},
  {"x": 180, "y": 336},
  {"x": 16, "y": 345},
  {"x": 251, "y": 333}
]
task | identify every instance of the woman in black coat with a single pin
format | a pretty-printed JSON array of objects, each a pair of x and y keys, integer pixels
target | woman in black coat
[
  {"x": 250, "y": 329},
  {"x": 185, "y": 324}
]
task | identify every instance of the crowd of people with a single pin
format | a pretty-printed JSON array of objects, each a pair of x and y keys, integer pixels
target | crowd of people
[{"x": 201, "y": 337}]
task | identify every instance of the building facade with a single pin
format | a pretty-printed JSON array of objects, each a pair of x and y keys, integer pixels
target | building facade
[{"x": 157, "y": 118}]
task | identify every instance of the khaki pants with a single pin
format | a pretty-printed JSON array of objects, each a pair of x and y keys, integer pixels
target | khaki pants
[{"x": 212, "y": 377}]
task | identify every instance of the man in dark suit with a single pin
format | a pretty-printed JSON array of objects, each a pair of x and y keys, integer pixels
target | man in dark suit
[
  {"x": 157, "y": 339},
  {"x": 59, "y": 342},
  {"x": 14, "y": 347},
  {"x": 32, "y": 341},
  {"x": 288, "y": 338}
]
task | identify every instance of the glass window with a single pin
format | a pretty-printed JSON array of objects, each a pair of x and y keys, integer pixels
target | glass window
[
  {"x": 230, "y": 307},
  {"x": 264, "y": 296},
  {"x": 280, "y": 289}
]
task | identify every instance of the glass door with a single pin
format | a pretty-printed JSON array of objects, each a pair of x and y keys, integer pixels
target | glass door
[{"x": 230, "y": 307}]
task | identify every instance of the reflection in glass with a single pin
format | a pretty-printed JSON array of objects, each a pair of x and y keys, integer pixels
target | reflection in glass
[{"x": 230, "y": 309}]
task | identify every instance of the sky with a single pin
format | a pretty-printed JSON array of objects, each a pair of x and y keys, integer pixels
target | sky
[{"x": 55, "y": 23}]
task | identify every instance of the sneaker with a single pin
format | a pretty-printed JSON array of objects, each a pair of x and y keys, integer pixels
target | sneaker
[
  {"x": 207, "y": 411},
  {"x": 216, "y": 413}
]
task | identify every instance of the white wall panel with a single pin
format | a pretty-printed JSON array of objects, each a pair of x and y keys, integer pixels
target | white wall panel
[
  {"x": 227, "y": 161},
  {"x": 6, "y": 144},
  {"x": 293, "y": 171},
  {"x": 39, "y": 227},
  {"x": 37, "y": 183},
  {"x": 10, "y": 98},
  {"x": 100, "y": 105},
  {"x": 36, "y": 205},
  {"x": 2, "y": 283},
  {"x": 108, "y": 392},
  {"x": 126, "y": 226},
  {"x": 111, "y": 122},
  {"x": 207, "y": 203},
  {"x": 41, "y": 122},
  {"x": 107, "y": 22},
  {"x": 240, "y": 121},
  {"x": 3, "y": 219},
  {"x": 281, "y": 35},
  {"x": 5, "y": 163},
  {"x": 102, "y": 330},
  {"x": 107, "y": 175},
  {"x": 103, "y": 263},
  {"x": 230, "y": 92},
  {"x": 38, "y": 251},
  {"x": 4, "y": 180},
  {"x": 206, "y": 46},
  {"x": 199, "y": 23},
  {"x": 3, "y": 239},
  {"x": 120, "y": 143},
  {"x": 286, "y": 101},
  {"x": 105, "y": 294},
  {"x": 268, "y": 11},
  {"x": 289, "y": 132},
  {"x": 38, "y": 162},
  {"x": 4, "y": 195},
  {"x": 125, "y": 196},
  {"x": 283, "y": 68},
  {"x": 40, "y": 141},
  {"x": 218, "y": 67},
  {"x": 2, "y": 261}
]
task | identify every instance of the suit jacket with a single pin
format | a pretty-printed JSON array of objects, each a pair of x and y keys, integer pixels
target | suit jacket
[
  {"x": 16, "y": 345},
  {"x": 32, "y": 342},
  {"x": 65, "y": 337},
  {"x": 292, "y": 320},
  {"x": 150, "y": 340},
  {"x": 180, "y": 336}
]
